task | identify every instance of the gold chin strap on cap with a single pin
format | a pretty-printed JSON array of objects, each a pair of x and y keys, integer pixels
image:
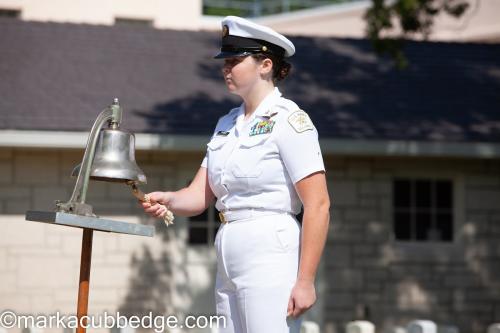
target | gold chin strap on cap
[{"x": 168, "y": 217}]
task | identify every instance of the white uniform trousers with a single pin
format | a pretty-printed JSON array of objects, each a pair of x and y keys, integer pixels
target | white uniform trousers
[{"x": 257, "y": 266}]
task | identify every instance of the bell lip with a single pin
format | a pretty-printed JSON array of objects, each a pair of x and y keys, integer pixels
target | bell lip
[
  {"x": 141, "y": 177},
  {"x": 119, "y": 180}
]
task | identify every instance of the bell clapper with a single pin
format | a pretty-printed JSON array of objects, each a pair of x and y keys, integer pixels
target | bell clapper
[{"x": 168, "y": 217}]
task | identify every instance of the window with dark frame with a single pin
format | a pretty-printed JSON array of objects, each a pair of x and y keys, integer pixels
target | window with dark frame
[
  {"x": 203, "y": 228},
  {"x": 423, "y": 209}
]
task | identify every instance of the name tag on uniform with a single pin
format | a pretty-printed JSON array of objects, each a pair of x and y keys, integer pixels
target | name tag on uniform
[
  {"x": 262, "y": 127},
  {"x": 222, "y": 133}
]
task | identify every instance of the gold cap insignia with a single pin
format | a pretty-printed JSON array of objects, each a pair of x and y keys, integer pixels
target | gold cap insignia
[
  {"x": 225, "y": 31},
  {"x": 264, "y": 48}
]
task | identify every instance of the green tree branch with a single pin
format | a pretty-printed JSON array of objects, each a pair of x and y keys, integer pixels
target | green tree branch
[{"x": 410, "y": 18}]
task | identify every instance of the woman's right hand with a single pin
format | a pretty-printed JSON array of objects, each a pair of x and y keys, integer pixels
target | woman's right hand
[{"x": 158, "y": 203}]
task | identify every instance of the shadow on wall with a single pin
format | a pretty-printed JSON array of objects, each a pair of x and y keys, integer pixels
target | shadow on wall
[
  {"x": 151, "y": 285},
  {"x": 162, "y": 284}
]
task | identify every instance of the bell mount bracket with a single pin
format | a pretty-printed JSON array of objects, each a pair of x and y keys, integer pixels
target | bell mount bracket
[{"x": 76, "y": 204}]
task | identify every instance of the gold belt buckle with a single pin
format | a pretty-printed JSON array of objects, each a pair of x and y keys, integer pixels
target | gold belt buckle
[{"x": 222, "y": 218}]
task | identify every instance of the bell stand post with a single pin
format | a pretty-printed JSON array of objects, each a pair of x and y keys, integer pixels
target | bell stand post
[{"x": 84, "y": 282}]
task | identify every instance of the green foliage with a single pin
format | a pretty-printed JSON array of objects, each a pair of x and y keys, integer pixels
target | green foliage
[
  {"x": 252, "y": 8},
  {"x": 411, "y": 17},
  {"x": 213, "y": 11}
]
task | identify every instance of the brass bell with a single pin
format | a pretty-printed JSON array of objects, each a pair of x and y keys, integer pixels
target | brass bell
[{"x": 114, "y": 159}]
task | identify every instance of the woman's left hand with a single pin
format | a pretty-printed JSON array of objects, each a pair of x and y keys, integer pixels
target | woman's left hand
[{"x": 302, "y": 298}]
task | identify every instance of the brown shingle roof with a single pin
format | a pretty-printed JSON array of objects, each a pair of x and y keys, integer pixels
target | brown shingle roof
[{"x": 58, "y": 77}]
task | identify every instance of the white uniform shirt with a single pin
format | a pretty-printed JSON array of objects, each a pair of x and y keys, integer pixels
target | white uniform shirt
[{"x": 255, "y": 163}]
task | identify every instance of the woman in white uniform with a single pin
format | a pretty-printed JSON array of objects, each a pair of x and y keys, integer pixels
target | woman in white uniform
[{"x": 262, "y": 163}]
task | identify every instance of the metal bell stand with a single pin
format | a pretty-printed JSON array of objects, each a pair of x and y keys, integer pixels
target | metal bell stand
[{"x": 113, "y": 160}]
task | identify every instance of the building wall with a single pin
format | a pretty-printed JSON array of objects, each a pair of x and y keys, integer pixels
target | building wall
[
  {"x": 39, "y": 263},
  {"x": 456, "y": 283},
  {"x": 363, "y": 267},
  {"x": 163, "y": 14},
  {"x": 343, "y": 20}
]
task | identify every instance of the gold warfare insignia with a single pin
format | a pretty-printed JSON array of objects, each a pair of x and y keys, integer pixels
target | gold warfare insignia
[
  {"x": 225, "y": 31},
  {"x": 262, "y": 127},
  {"x": 270, "y": 113},
  {"x": 300, "y": 121}
]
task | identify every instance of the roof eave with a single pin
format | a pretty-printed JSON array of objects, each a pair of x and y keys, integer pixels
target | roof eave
[{"x": 197, "y": 143}]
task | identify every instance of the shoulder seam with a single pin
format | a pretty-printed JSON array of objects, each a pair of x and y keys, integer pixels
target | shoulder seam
[{"x": 287, "y": 104}]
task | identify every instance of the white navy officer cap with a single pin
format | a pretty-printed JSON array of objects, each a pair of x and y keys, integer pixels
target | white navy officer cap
[{"x": 241, "y": 37}]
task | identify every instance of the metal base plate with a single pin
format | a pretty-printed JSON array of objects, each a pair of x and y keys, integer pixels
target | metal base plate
[{"x": 96, "y": 223}]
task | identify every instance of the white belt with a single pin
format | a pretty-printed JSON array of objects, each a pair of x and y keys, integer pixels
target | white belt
[{"x": 240, "y": 214}]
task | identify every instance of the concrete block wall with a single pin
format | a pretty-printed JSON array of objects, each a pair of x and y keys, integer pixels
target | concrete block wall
[
  {"x": 39, "y": 263},
  {"x": 367, "y": 274},
  {"x": 372, "y": 276}
]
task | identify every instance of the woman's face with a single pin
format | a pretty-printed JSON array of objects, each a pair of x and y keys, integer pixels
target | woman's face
[{"x": 241, "y": 74}]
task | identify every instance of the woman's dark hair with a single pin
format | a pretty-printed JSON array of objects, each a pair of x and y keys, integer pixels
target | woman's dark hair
[{"x": 281, "y": 68}]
